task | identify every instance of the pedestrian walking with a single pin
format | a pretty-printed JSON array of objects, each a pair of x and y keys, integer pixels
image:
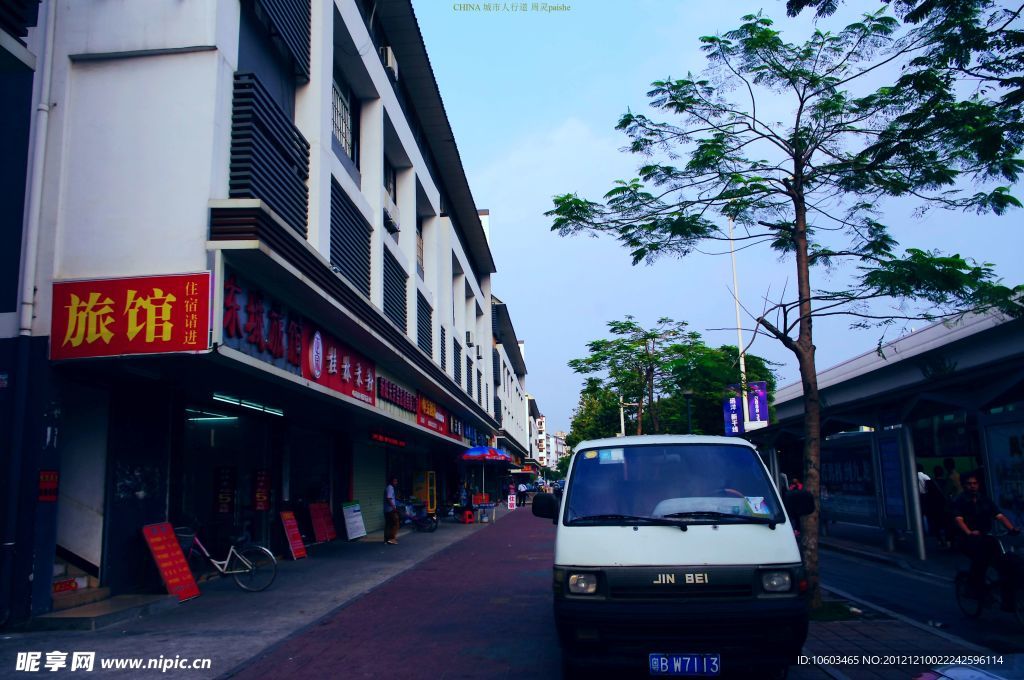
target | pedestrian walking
[
  {"x": 521, "y": 495},
  {"x": 391, "y": 518}
]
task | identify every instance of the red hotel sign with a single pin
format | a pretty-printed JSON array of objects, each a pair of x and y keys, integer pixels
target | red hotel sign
[
  {"x": 330, "y": 363},
  {"x": 142, "y": 315}
]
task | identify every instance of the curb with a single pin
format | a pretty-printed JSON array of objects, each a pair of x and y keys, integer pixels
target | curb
[
  {"x": 911, "y": 622},
  {"x": 874, "y": 556}
]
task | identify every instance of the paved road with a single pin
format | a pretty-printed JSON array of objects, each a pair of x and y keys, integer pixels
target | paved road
[
  {"x": 479, "y": 609},
  {"x": 920, "y": 597}
]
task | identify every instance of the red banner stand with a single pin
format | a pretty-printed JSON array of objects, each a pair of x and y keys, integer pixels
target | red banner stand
[
  {"x": 291, "y": 531},
  {"x": 170, "y": 560},
  {"x": 323, "y": 523}
]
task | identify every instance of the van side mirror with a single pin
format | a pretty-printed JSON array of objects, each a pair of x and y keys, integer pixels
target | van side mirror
[
  {"x": 546, "y": 505},
  {"x": 798, "y": 502}
]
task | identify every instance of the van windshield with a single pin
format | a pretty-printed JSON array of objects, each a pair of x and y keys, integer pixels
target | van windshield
[{"x": 692, "y": 483}]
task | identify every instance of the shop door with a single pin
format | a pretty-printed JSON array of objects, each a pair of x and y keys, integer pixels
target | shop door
[{"x": 139, "y": 442}]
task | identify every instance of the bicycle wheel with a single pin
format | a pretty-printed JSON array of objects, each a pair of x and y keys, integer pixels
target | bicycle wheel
[
  {"x": 253, "y": 568},
  {"x": 970, "y": 603}
]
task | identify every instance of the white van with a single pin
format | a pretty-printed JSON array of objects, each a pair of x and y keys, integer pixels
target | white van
[{"x": 675, "y": 554}]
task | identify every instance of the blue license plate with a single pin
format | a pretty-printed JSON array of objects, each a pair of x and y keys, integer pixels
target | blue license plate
[{"x": 701, "y": 665}]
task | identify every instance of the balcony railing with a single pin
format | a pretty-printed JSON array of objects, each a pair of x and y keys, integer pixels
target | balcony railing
[{"x": 269, "y": 156}]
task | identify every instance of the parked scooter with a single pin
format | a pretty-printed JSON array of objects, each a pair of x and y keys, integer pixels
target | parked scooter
[{"x": 416, "y": 514}]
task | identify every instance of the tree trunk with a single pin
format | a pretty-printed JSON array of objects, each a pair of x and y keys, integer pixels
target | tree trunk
[
  {"x": 640, "y": 414},
  {"x": 804, "y": 350},
  {"x": 650, "y": 400}
]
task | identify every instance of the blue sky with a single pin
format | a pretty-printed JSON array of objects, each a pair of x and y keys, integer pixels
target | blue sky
[{"x": 533, "y": 98}]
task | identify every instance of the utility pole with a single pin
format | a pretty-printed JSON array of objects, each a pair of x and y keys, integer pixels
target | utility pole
[
  {"x": 622, "y": 416},
  {"x": 739, "y": 329}
]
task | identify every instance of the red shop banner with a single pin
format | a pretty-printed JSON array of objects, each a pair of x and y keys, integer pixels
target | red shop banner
[
  {"x": 323, "y": 523},
  {"x": 141, "y": 315},
  {"x": 435, "y": 418},
  {"x": 329, "y": 363},
  {"x": 170, "y": 560},
  {"x": 291, "y": 531}
]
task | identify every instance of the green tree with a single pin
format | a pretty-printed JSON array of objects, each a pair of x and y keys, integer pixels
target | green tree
[
  {"x": 807, "y": 188},
  {"x": 596, "y": 416},
  {"x": 636, "y": 363}
]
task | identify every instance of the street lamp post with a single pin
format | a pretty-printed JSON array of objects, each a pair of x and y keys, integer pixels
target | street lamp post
[
  {"x": 739, "y": 328},
  {"x": 622, "y": 416}
]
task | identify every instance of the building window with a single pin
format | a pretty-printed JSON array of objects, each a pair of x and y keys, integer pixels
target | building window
[
  {"x": 419, "y": 247},
  {"x": 344, "y": 120},
  {"x": 444, "y": 349}
]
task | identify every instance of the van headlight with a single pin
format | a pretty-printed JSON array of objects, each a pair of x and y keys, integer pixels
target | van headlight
[
  {"x": 776, "y": 581},
  {"x": 583, "y": 583}
]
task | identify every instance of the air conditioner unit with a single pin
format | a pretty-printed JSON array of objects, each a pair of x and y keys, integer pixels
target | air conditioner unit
[
  {"x": 469, "y": 339},
  {"x": 387, "y": 55},
  {"x": 479, "y": 353}
]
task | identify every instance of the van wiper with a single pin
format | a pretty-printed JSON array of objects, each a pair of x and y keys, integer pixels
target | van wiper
[
  {"x": 632, "y": 519},
  {"x": 720, "y": 516}
]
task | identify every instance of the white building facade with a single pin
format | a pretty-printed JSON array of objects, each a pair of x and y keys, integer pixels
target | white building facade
[{"x": 253, "y": 277}]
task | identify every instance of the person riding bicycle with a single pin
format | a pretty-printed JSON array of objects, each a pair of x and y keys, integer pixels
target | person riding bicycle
[{"x": 973, "y": 514}]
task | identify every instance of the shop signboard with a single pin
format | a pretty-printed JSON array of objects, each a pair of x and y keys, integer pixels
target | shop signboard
[
  {"x": 291, "y": 532},
  {"x": 225, "y": 480},
  {"x": 261, "y": 491},
  {"x": 354, "y": 527},
  {"x": 511, "y": 501},
  {"x": 334, "y": 365},
  {"x": 48, "y": 481},
  {"x": 431, "y": 416},
  {"x": 323, "y": 523},
  {"x": 138, "y": 315},
  {"x": 260, "y": 326},
  {"x": 170, "y": 560}
]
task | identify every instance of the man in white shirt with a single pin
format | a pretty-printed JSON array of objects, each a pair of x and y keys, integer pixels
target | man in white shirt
[{"x": 391, "y": 518}]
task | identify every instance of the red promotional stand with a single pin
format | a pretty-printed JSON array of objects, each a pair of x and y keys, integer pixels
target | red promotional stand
[
  {"x": 291, "y": 530},
  {"x": 323, "y": 523},
  {"x": 170, "y": 561}
]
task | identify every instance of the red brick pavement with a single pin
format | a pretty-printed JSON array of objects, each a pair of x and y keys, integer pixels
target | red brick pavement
[{"x": 479, "y": 609}]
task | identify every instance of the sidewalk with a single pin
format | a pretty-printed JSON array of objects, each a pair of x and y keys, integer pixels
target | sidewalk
[{"x": 230, "y": 627}]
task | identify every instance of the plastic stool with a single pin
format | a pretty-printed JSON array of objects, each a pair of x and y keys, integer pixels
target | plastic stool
[{"x": 467, "y": 517}]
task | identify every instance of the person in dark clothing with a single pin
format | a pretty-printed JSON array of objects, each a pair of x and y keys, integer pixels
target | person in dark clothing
[{"x": 973, "y": 514}]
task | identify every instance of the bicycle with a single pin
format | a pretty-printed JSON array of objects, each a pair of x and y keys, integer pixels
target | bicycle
[
  {"x": 252, "y": 566},
  {"x": 972, "y": 603}
]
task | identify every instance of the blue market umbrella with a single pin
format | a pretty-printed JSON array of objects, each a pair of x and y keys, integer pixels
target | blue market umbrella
[{"x": 484, "y": 454}]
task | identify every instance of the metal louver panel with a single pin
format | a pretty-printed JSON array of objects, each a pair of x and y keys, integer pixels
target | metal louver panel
[
  {"x": 496, "y": 367},
  {"x": 444, "y": 349},
  {"x": 269, "y": 156},
  {"x": 350, "y": 240},
  {"x": 424, "y": 325},
  {"x": 394, "y": 291},
  {"x": 469, "y": 377},
  {"x": 290, "y": 27},
  {"x": 457, "y": 362}
]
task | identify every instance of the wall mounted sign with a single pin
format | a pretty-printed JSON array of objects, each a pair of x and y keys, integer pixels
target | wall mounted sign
[
  {"x": 393, "y": 393},
  {"x": 387, "y": 439},
  {"x": 48, "y": 480},
  {"x": 139, "y": 315},
  {"x": 333, "y": 364},
  {"x": 261, "y": 326},
  {"x": 224, "y": 479},
  {"x": 170, "y": 560},
  {"x": 261, "y": 491}
]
